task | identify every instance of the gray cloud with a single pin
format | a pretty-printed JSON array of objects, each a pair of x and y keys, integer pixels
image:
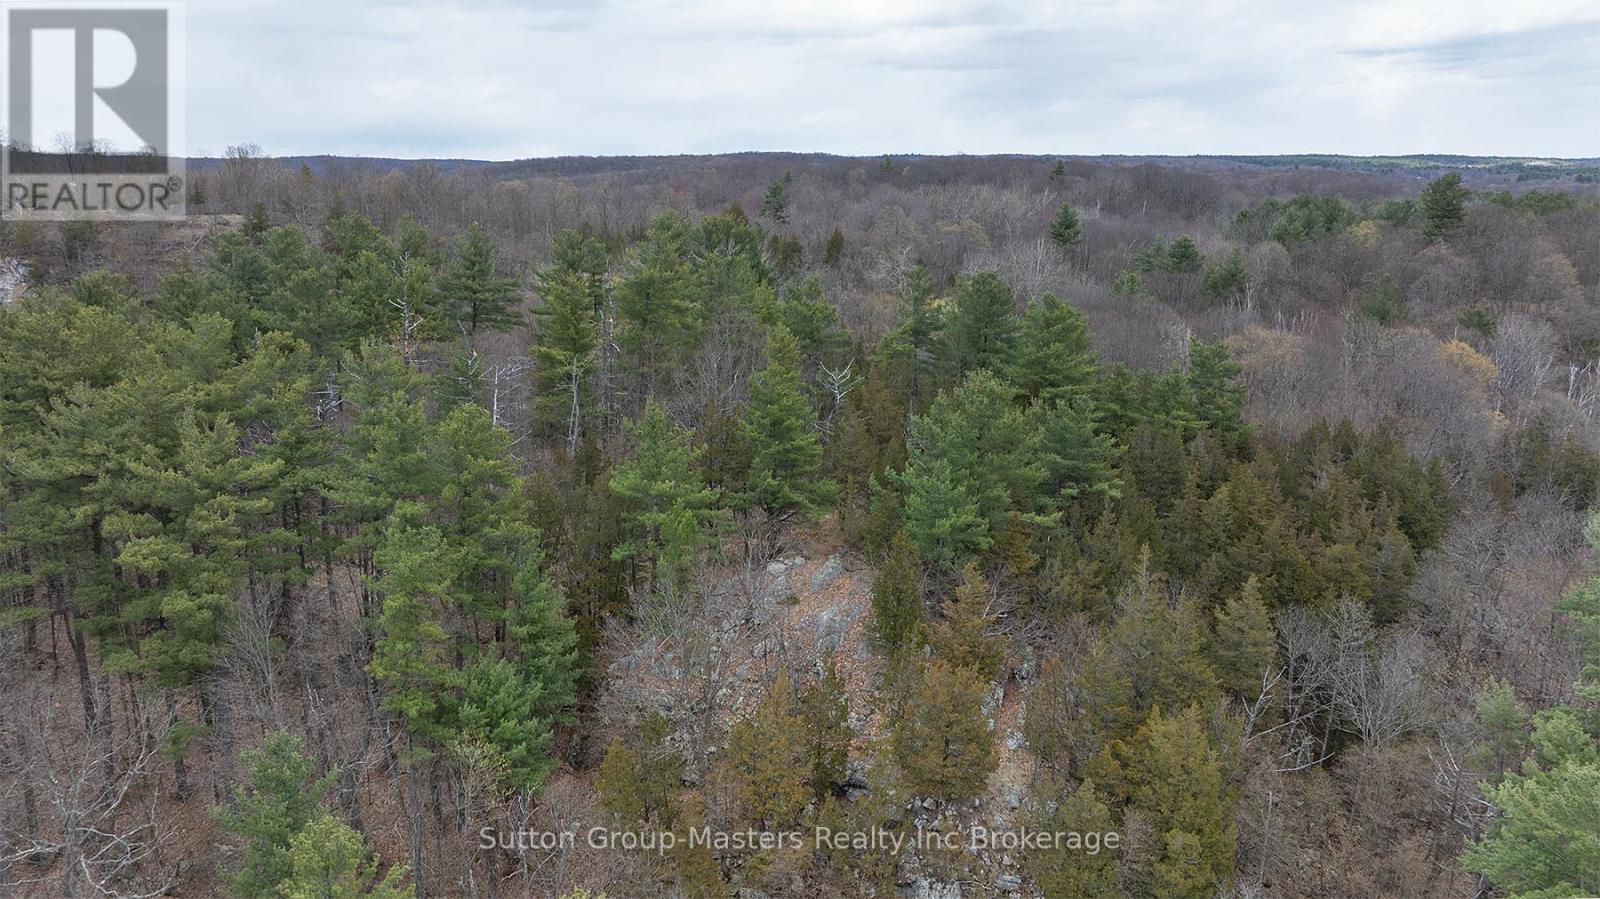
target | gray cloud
[{"x": 503, "y": 79}]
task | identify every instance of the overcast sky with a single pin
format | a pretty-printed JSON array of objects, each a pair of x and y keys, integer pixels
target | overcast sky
[{"x": 501, "y": 79}]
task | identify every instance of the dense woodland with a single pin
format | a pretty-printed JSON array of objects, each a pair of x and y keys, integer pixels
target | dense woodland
[{"x": 1239, "y": 508}]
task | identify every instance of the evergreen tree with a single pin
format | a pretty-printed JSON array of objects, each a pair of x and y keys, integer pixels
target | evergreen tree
[
  {"x": 1546, "y": 841},
  {"x": 1444, "y": 205},
  {"x": 1054, "y": 358},
  {"x": 1077, "y": 873},
  {"x": 1065, "y": 231},
  {"x": 656, "y": 483},
  {"x": 941, "y": 516},
  {"x": 1161, "y": 647},
  {"x": 1504, "y": 721},
  {"x": 283, "y": 796},
  {"x": 1218, "y": 394},
  {"x": 767, "y": 759},
  {"x": 833, "y": 253},
  {"x": 329, "y": 860},
  {"x": 981, "y": 329},
  {"x": 775, "y": 203},
  {"x": 565, "y": 346},
  {"x": 1175, "y": 784},
  {"x": 499, "y": 710},
  {"x": 1077, "y": 461},
  {"x": 618, "y": 785},
  {"x": 1183, "y": 256},
  {"x": 659, "y": 306},
  {"x": 785, "y": 457},
  {"x": 479, "y": 296},
  {"x": 962, "y": 637},
  {"x": 942, "y": 741},
  {"x": 974, "y": 447},
  {"x": 896, "y": 599},
  {"x": 1243, "y": 642},
  {"x": 1227, "y": 281},
  {"x": 920, "y": 326},
  {"x": 577, "y": 256},
  {"x": 411, "y": 656},
  {"x": 824, "y": 708}
]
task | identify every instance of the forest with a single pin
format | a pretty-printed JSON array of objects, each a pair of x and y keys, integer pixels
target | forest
[{"x": 380, "y": 526}]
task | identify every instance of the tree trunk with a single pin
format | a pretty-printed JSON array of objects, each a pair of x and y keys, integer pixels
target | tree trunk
[{"x": 85, "y": 685}]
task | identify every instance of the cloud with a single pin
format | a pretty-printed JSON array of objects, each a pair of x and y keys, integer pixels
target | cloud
[{"x": 503, "y": 79}]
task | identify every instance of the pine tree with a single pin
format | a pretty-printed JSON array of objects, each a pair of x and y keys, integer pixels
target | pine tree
[
  {"x": 1075, "y": 872},
  {"x": 767, "y": 759},
  {"x": 657, "y": 482},
  {"x": 1218, "y": 394},
  {"x": 1444, "y": 205},
  {"x": 824, "y": 708},
  {"x": 941, "y": 516},
  {"x": 565, "y": 346},
  {"x": 1228, "y": 280},
  {"x": 942, "y": 743},
  {"x": 1175, "y": 784},
  {"x": 833, "y": 254},
  {"x": 962, "y": 637},
  {"x": 1183, "y": 256},
  {"x": 973, "y": 447},
  {"x": 1065, "y": 231},
  {"x": 1504, "y": 721},
  {"x": 775, "y": 203},
  {"x": 785, "y": 456},
  {"x": 920, "y": 326},
  {"x": 499, "y": 711},
  {"x": 577, "y": 255},
  {"x": 981, "y": 329},
  {"x": 329, "y": 860},
  {"x": 659, "y": 305},
  {"x": 896, "y": 600},
  {"x": 1054, "y": 358},
  {"x": 618, "y": 787},
  {"x": 1077, "y": 460},
  {"x": 1546, "y": 840},
  {"x": 283, "y": 796},
  {"x": 410, "y": 658},
  {"x": 479, "y": 296},
  {"x": 1243, "y": 642}
]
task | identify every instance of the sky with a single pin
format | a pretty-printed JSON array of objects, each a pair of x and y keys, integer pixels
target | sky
[{"x": 499, "y": 79}]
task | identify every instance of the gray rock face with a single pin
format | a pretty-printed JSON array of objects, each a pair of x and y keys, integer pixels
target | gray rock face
[
  {"x": 776, "y": 586},
  {"x": 925, "y": 888},
  {"x": 827, "y": 573},
  {"x": 832, "y": 625},
  {"x": 1008, "y": 883}
]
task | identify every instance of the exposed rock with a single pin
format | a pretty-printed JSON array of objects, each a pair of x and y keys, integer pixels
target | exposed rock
[
  {"x": 925, "y": 888},
  {"x": 1013, "y": 796},
  {"x": 832, "y": 625},
  {"x": 827, "y": 573},
  {"x": 855, "y": 776},
  {"x": 1008, "y": 883},
  {"x": 776, "y": 568},
  {"x": 776, "y": 586},
  {"x": 13, "y": 279},
  {"x": 1028, "y": 667}
]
